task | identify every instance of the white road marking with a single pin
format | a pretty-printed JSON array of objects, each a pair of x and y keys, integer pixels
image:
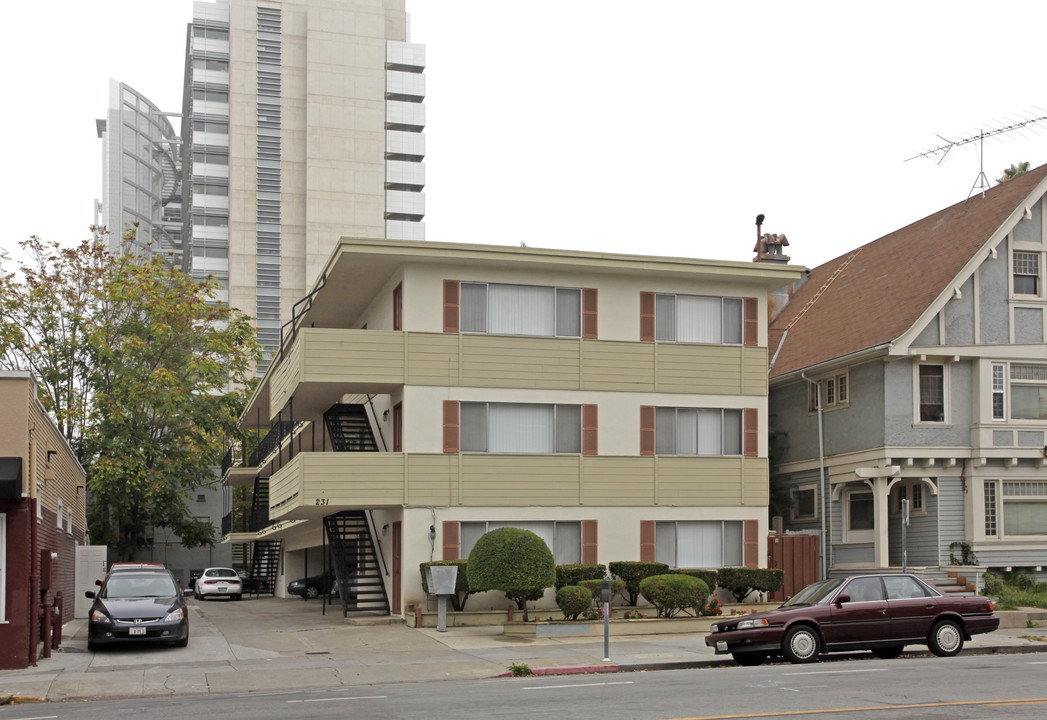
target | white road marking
[
  {"x": 1038, "y": 662},
  {"x": 837, "y": 672},
  {"x": 553, "y": 687},
  {"x": 340, "y": 699},
  {"x": 38, "y": 717}
]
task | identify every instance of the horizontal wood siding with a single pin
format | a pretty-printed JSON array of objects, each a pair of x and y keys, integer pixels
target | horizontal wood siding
[
  {"x": 950, "y": 515},
  {"x": 617, "y": 481},
  {"x": 286, "y": 377},
  {"x": 618, "y": 366},
  {"x": 515, "y": 362},
  {"x": 432, "y": 359},
  {"x": 376, "y": 357}
]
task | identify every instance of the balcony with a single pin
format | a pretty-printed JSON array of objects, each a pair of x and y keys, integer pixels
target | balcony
[
  {"x": 313, "y": 485},
  {"x": 321, "y": 364}
]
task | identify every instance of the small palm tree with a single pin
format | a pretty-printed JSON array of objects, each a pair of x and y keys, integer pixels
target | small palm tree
[{"x": 1014, "y": 171}]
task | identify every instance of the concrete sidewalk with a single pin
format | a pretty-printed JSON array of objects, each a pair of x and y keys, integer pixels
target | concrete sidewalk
[{"x": 274, "y": 644}]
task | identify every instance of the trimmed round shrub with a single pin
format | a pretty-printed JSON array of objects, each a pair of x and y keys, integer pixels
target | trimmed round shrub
[
  {"x": 596, "y": 587},
  {"x": 633, "y": 572},
  {"x": 573, "y": 601},
  {"x": 461, "y": 581},
  {"x": 515, "y": 561},
  {"x": 742, "y": 581},
  {"x": 672, "y": 593},
  {"x": 706, "y": 576},
  {"x": 574, "y": 574}
]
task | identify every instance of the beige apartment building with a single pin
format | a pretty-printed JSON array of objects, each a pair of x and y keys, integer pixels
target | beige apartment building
[{"x": 428, "y": 392}]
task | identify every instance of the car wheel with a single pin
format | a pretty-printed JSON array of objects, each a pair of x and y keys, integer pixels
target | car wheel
[
  {"x": 946, "y": 639},
  {"x": 800, "y": 644},
  {"x": 184, "y": 642},
  {"x": 237, "y": 597},
  {"x": 888, "y": 653},
  {"x": 312, "y": 591},
  {"x": 749, "y": 659}
]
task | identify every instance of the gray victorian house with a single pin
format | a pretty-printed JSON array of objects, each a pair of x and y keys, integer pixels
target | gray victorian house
[{"x": 915, "y": 368}]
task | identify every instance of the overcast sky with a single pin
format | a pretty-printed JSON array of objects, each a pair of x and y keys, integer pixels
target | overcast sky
[{"x": 660, "y": 127}]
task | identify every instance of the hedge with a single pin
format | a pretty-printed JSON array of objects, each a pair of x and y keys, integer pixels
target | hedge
[
  {"x": 596, "y": 587},
  {"x": 743, "y": 581},
  {"x": 633, "y": 573},
  {"x": 573, "y": 601},
  {"x": 574, "y": 574},
  {"x": 461, "y": 582},
  {"x": 674, "y": 592},
  {"x": 707, "y": 576}
]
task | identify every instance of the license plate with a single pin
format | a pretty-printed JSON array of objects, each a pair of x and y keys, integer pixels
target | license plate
[
  {"x": 721, "y": 646},
  {"x": 222, "y": 589},
  {"x": 136, "y": 631}
]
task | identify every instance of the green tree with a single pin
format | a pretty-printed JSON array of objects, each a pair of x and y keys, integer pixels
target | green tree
[
  {"x": 1014, "y": 171},
  {"x": 515, "y": 561}
]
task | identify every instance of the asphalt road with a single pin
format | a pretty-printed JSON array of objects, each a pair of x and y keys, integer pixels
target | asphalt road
[{"x": 1012, "y": 686}]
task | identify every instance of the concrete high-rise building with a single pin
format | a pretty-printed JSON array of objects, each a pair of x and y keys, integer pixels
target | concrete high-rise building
[
  {"x": 302, "y": 123},
  {"x": 141, "y": 175}
]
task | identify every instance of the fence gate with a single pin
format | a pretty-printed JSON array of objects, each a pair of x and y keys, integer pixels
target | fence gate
[{"x": 797, "y": 555}]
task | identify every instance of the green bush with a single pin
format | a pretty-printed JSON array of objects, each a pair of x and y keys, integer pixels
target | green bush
[
  {"x": 461, "y": 581},
  {"x": 674, "y": 592},
  {"x": 515, "y": 561},
  {"x": 596, "y": 587},
  {"x": 706, "y": 576},
  {"x": 743, "y": 581},
  {"x": 573, "y": 601},
  {"x": 633, "y": 573},
  {"x": 574, "y": 574}
]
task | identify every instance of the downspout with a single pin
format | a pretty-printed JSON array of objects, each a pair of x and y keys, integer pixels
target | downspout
[
  {"x": 34, "y": 577},
  {"x": 823, "y": 549}
]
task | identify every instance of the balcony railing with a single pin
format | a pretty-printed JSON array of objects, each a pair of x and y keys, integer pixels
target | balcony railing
[
  {"x": 227, "y": 524},
  {"x": 280, "y": 430}
]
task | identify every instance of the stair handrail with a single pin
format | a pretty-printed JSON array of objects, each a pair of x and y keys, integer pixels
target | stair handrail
[
  {"x": 372, "y": 527},
  {"x": 374, "y": 414}
]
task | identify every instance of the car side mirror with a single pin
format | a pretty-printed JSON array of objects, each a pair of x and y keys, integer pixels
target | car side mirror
[
  {"x": 841, "y": 599},
  {"x": 89, "y": 594},
  {"x": 98, "y": 583}
]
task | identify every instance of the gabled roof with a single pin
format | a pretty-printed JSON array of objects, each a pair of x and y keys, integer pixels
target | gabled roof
[{"x": 872, "y": 295}]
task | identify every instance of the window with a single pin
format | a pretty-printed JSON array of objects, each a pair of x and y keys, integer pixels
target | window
[
  {"x": 211, "y": 33},
  {"x": 911, "y": 490},
  {"x": 211, "y": 94},
  {"x": 698, "y": 431},
  {"x": 858, "y": 516},
  {"x": 201, "y": 63},
  {"x": 563, "y": 538},
  {"x": 1026, "y": 273},
  {"x": 398, "y": 427},
  {"x": 1024, "y": 508},
  {"x": 39, "y": 501},
  {"x": 213, "y": 126},
  {"x": 498, "y": 309},
  {"x": 520, "y": 428},
  {"x": 201, "y": 497},
  {"x": 835, "y": 392},
  {"x": 69, "y": 521},
  {"x": 60, "y": 515},
  {"x": 700, "y": 543},
  {"x": 211, "y": 188},
  {"x": 698, "y": 319},
  {"x": 999, "y": 409},
  {"x": 990, "y": 508},
  {"x": 904, "y": 587},
  {"x": 804, "y": 505},
  {"x": 931, "y": 393},
  {"x": 1028, "y": 392},
  {"x": 864, "y": 589}
]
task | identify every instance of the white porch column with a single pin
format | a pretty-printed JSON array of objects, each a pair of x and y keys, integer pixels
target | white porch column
[{"x": 879, "y": 479}]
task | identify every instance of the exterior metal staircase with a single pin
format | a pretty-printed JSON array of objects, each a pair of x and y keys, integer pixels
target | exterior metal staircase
[
  {"x": 349, "y": 429},
  {"x": 265, "y": 562},
  {"x": 361, "y": 584}
]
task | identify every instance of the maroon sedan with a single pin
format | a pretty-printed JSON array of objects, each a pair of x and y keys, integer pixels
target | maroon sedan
[{"x": 882, "y": 613}]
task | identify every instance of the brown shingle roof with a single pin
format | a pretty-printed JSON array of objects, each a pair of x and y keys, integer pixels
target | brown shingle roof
[{"x": 883, "y": 287}]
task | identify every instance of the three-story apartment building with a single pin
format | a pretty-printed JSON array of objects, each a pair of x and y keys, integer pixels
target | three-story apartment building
[{"x": 426, "y": 393}]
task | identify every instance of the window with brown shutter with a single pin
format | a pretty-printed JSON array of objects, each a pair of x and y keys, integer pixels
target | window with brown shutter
[
  {"x": 589, "y": 430},
  {"x": 751, "y": 556},
  {"x": 398, "y": 427},
  {"x": 451, "y": 292},
  {"x": 750, "y": 432},
  {"x": 647, "y": 429},
  {"x": 451, "y": 542},
  {"x": 398, "y": 307},
  {"x": 647, "y": 317},
  {"x": 589, "y": 313},
  {"x": 451, "y": 433},
  {"x": 589, "y": 542},
  {"x": 647, "y": 541},
  {"x": 751, "y": 323}
]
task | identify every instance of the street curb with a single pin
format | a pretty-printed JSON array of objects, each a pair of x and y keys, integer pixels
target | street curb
[
  {"x": 20, "y": 699},
  {"x": 567, "y": 670}
]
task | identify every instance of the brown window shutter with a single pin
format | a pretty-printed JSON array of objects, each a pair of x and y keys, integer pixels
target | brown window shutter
[
  {"x": 398, "y": 307},
  {"x": 589, "y": 430},
  {"x": 647, "y": 316},
  {"x": 398, "y": 427},
  {"x": 647, "y": 541},
  {"x": 752, "y": 544},
  {"x": 451, "y": 289},
  {"x": 751, "y": 432},
  {"x": 452, "y": 546},
  {"x": 647, "y": 429},
  {"x": 589, "y": 542},
  {"x": 751, "y": 331},
  {"x": 451, "y": 426},
  {"x": 589, "y": 313}
]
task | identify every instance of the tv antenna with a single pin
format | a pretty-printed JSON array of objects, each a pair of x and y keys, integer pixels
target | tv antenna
[{"x": 982, "y": 182}]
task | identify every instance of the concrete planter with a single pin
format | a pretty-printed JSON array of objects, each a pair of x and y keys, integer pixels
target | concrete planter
[{"x": 617, "y": 627}]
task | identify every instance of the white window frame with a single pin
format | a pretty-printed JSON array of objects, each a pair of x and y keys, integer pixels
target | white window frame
[
  {"x": 835, "y": 392},
  {"x": 1032, "y": 491},
  {"x": 1022, "y": 382},
  {"x": 1015, "y": 274},
  {"x": 991, "y": 508},
  {"x": 69, "y": 520},
  {"x": 913, "y": 491},
  {"x": 487, "y": 310},
  {"x": 60, "y": 515},
  {"x": 946, "y": 392},
  {"x": 998, "y": 382},
  {"x": 722, "y": 298},
  {"x": 862, "y": 535},
  {"x": 39, "y": 501},
  {"x": 794, "y": 502}
]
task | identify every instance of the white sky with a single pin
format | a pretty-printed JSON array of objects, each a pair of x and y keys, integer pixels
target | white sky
[{"x": 657, "y": 127}]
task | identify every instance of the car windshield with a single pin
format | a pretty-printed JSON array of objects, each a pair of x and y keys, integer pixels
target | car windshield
[
  {"x": 123, "y": 586},
  {"x": 815, "y": 593}
]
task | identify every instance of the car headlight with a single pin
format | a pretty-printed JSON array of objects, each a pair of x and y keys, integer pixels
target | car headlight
[
  {"x": 97, "y": 616},
  {"x": 749, "y": 624},
  {"x": 175, "y": 616}
]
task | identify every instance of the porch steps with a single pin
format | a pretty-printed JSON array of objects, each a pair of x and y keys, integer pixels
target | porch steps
[
  {"x": 952, "y": 580},
  {"x": 349, "y": 429},
  {"x": 361, "y": 585}
]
